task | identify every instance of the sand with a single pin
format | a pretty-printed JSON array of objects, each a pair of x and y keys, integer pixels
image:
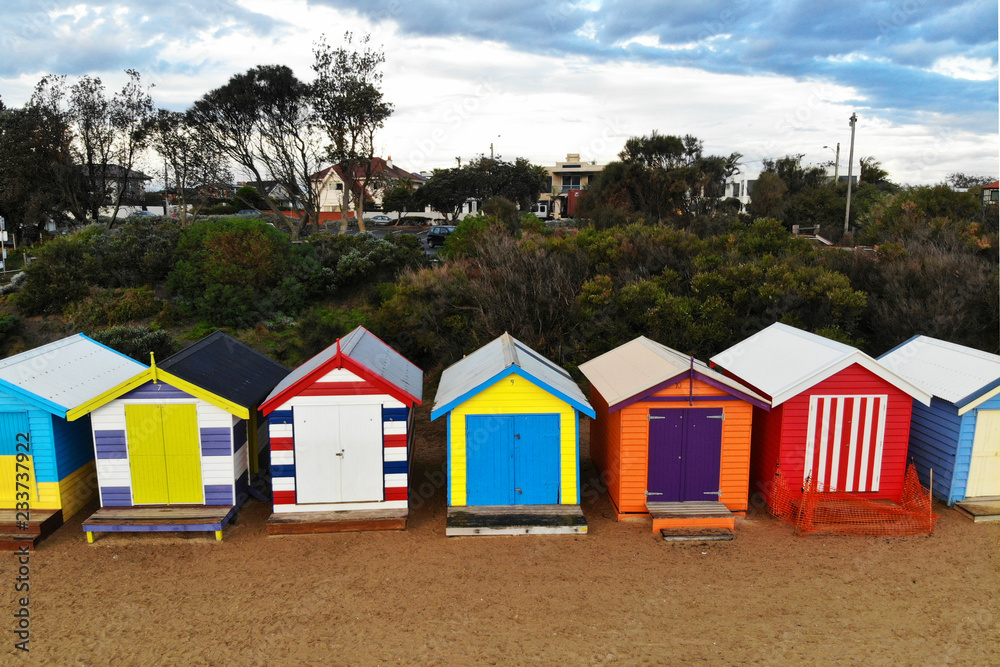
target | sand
[{"x": 615, "y": 595}]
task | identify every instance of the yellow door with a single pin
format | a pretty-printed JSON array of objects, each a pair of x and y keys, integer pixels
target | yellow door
[
  {"x": 984, "y": 469},
  {"x": 14, "y": 440},
  {"x": 164, "y": 454}
]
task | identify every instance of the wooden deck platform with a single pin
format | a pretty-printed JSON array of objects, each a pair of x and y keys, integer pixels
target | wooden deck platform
[
  {"x": 980, "y": 510},
  {"x": 15, "y": 533},
  {"x": 297, "y": 523},
  {"x": 694, "y": 515},
  {"x": 516, "y": 520},
  {"x": 179, "y": 518}
]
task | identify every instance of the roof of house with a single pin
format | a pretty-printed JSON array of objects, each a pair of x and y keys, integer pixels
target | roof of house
[
  {"x": 995, "y": 185},
  {"x": 642, "y": 367},
  {"x": 226, "y": 367},
  {"x": 379, "y": 167},
  {"x": 67, "y": 373},
  {"x": 496, "y": 359},
  {"x": 379, "y": 362},
  {"x": 954, "y": 373},
  {"x": 782, "y": 361}
]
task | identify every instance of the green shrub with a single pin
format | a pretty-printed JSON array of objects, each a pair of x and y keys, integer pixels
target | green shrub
[
  {"x": 138, "y": 342},
  {"x": 56, "y": 278},
  {"x": 104, "y": 307}
]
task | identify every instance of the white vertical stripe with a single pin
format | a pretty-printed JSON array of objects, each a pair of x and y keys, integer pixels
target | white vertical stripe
[
  {"x": 838, "y": 434},
  {"x": 852, "y": 457},
  {"x": 810, "y": 439},
  {"x": 824, "y": 440},
  {"x": 865, "y": 447},
  {"x": 880, "y": 438}
]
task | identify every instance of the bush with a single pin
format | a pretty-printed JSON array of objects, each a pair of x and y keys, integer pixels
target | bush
[
  {"x": 138, "y": 342},
  {"x": 56, "y": 278},
  {"x": 105, "y": 307}
]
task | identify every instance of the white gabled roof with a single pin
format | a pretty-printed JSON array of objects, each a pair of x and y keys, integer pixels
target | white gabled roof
[
  {"x": 466, "y": 377},
  {"x": 642, "y": 364},
  {"x": 954, "y": 373},
  {"x": 783, "y": 361},
  {"x": 67, "y": 373}
]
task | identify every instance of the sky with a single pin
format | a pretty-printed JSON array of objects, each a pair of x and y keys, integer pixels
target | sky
[{"x": 541, "y": 79}]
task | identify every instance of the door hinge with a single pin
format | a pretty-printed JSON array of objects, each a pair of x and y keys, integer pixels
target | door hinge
[
  {"x": 722, "y": 417},
  {"x": 652, "y": 417},
  {"x": 712, "y": 493},
  {"x": 653, "y": 493}
]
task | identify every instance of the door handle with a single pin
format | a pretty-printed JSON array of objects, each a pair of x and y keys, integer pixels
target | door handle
[
  {"x": 517, "y": 436},
  {"x": 518, "y": 490},
  {"x": 340, "y": 453}
]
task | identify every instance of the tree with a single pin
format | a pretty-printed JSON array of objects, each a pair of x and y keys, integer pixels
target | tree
[
  {"x": 518, "y": 181},
  {"x": 872, "y": 171},
  {"x": 193, "y": 165},
  {"x": 960, "y": 180},
  {"x": 446, "y": 191},
  {"x": 265, "y": 121},
  {"x": 400, "y": 198},
  {"x": 767, "y": 195},
  {"x": 350, "y": 107}
]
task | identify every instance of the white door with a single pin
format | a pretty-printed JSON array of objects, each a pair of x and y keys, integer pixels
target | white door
[
  {"x": 338, "y": 453},
  {"x": 844, "y": 442},
  {"x": 984, "y": 469}
]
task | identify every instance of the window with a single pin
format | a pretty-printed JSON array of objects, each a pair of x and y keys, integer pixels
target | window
[{"x": 571, "y": 182}]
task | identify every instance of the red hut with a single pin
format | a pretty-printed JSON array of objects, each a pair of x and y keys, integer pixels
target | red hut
[{"x": 837, "y": 415}]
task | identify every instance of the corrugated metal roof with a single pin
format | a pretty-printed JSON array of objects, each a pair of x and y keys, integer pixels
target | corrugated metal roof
[
  {"x": 783, "y": 361},
  {"x": 68, "y": 372},
  {"x": 642, "y": 364},
  {"x": 368, "y": 350},
  {"x": 954, "y": 373},
  {"x": 492, "y": 359},
  {"x": 226, "y": 367}
]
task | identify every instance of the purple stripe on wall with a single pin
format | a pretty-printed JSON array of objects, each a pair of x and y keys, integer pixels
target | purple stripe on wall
[
  {"x": 110, "y": 444},
  {"x": 157, "y": 391},
  {"x": 243, "y": 486},
  {"x": 215, "y": 442},
  {"x": 116, "y": 496},
  {"x": 239, "y": 433},
  {"x": 218, "y": 494}
]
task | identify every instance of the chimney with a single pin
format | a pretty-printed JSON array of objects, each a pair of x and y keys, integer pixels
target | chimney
[
  {"x": 572, "y": 157},
  {"x": 388, "y": 162}
]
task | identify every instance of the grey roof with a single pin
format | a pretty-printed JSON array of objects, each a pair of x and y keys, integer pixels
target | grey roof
[
  {"x": 949, "y": 371},
  {"x": 492, "y": 359},
  {"x": 364, "y": 348},
  {"x": 65, "y": 374},
  {"x": 226, "y": 367},
  {"x": 642, "y": 364}
]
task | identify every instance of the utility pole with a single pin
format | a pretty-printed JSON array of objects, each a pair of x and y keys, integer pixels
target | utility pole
[
  {"x": 836, "y": 165},
  {"x": 850, "y": 167}
]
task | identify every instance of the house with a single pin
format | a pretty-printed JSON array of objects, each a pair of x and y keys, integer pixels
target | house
[
  {"x": 837, "y": 416},
  {"x": 671, "y": 438},
  {"x": 957, "y": 436},
  {"x": 374, "y": 180},
  {"x": 513, "y": 442},
  {"x": 991, "y": 194},
  {"x": 54, "y": 477},
  {"x": 566, "y": 182},
  {"x": 108, "y": 177},
  {"x": 271, "y": 189},
  {"x": 341, "y": 431},
  {"x": 181, "y": 436}
]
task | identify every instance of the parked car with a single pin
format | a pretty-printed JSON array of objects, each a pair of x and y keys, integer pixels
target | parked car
[
  {"x": 437, "y": 235},
  {"x": 142, "y": 214},
  {"x": 379, "y": 220},
  {"x": 248, "y": 213}
]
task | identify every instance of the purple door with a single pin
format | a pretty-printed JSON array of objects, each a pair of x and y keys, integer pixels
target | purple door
[{"x": 685, "y": 452}]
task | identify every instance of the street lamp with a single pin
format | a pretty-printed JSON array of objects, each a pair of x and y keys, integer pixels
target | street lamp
[
  {"x": 836, "y": 164},
  {"x": 850, "y": 165}
]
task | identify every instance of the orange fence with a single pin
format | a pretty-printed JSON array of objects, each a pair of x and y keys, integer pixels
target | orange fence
[{"x": 839, "y": 513}]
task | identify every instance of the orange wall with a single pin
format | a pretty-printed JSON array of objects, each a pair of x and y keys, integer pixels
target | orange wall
[{"x": 623, "y": 446}]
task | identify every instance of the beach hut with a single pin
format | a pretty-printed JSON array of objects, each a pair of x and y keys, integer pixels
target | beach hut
[
  {"x": 341, "y": 430},
  {"x": 54, "y": 477},
  {"x": 513, "y": 442},
  {"x": 672, "y": 436},
  {"x": 838, "y": 417},
  {"x": 958, "y": 434},
  {"x": 177, "y": 443}
]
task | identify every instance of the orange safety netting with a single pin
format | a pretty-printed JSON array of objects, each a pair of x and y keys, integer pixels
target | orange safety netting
[{"x": 836, "y": 512}]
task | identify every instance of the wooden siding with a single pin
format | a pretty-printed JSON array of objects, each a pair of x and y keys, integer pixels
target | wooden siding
[
  {"x": 114, "y": 473},
  {"x": 934, "y": 444},
  {"x": 625, "y": 461},
  {"x": 765, "y": 449},
  {"x": 852, "y": 381},
  {"x": 77, "y": 489},
  {"x": 341, "y": 387},
  {"x": 513, "y": 395}
]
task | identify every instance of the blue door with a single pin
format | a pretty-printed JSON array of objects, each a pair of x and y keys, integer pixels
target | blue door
[{"x": 512, "y": 459}]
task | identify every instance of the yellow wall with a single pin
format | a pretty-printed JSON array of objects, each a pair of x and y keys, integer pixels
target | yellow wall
[{"x": 513, "y": 395}]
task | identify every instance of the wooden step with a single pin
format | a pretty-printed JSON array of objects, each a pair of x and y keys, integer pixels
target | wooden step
[
  {"x": 515, "y": 520},
  {"x": 297, "y": 523},
  {"x": 696, "y": 534},
  {"x": 980, "y": 509},
  {"x": 696, "y": 509},
  {"x": 17, "y": 540}
]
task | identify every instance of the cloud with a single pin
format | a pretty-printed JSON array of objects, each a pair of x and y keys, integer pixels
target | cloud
[
  {"x": 869, "y": 45},
  {"x": 66, "y": 37}
]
